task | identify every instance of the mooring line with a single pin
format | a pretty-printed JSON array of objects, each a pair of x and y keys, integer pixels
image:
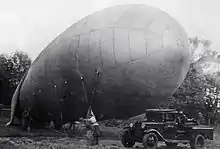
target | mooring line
[
  {"x": 61, "y": 116},
  {"x": 54, "y": 130}
]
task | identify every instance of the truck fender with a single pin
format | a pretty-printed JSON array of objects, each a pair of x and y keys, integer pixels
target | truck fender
[{"x": 157, "y": 133}]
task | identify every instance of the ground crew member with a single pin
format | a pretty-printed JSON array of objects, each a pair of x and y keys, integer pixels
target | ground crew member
[{"x": 94, "y": 125}]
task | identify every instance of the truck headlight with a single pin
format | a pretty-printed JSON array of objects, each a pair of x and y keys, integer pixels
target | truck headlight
[{"x": 131, "y": 124}]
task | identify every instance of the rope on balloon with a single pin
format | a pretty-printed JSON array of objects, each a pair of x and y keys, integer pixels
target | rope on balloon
[
  {"x": 113, "y": 42},
  {"x": 100, "y": 49},
  {"x": 95, "y": 85},
  {"x": 89, "y": 47},
  {"x": 145, "y": 43},
  {"x": 61, "y": 113},
  {"x": 97, "y": 72},
  {"x": 113, "y": 28},
  {"x": 77, "y": 52},
  {"x": 129, "y": 45}
]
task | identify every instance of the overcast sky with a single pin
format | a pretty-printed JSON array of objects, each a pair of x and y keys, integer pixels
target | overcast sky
[{"x": 31, "y": 25}]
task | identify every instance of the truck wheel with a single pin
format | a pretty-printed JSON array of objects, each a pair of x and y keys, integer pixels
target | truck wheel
[
  {"x": 150, "y": 141},
  {"x": 198, "y": 142},
  {"x": 127, "y": 139}
]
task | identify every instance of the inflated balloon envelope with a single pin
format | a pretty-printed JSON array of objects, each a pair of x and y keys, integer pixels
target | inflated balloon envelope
[{"x": 142, "y": 55}]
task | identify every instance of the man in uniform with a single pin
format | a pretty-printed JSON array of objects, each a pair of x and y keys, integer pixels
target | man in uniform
[{"x": 90, "y": 118}]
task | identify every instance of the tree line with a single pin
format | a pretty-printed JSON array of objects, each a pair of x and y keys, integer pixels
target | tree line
[
  {"x": 200, "y": 90},
  {"x": 12, "y": 68}
]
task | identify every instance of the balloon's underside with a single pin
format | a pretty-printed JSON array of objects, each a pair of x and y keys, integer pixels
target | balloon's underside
[{"x": 141, "y": 65}]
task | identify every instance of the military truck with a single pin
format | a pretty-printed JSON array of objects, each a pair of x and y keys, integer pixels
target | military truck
[{"x": 168, "y": 125}]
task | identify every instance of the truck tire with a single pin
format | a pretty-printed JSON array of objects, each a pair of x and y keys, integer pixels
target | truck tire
[
  {"x": 198, "y": 142},
  {"x": 150, "y": 141},
  {"x": 127, "y": 139}
]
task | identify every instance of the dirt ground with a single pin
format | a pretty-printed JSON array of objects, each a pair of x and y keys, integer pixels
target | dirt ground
[
  {"x": 13, "y": 138},
  {"x": 42, "y": 142},
  {"x": 73, "y": 143}
]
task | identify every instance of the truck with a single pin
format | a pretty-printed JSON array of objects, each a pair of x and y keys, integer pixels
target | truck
[{"x": 171, "y": 126}]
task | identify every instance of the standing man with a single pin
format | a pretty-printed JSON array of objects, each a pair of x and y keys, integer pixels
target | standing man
[
  {"x": 94, "y": 126},
  {"x": 200, "y": 117},
  {"x": 209, "y": 110}
]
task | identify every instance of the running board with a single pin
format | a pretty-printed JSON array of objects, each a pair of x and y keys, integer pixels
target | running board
[{"x": 176, "y": 141}]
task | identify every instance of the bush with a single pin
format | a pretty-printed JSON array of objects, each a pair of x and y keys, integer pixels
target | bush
[{"x": 12, "y": 68}]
